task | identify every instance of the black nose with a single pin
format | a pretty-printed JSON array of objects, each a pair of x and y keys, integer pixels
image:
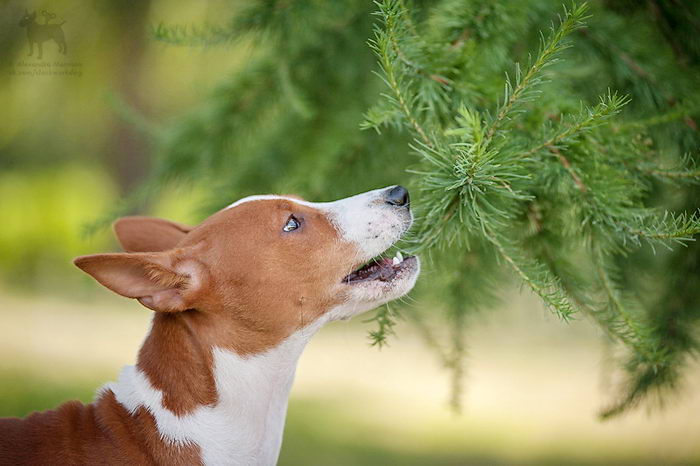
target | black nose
[{"x": 398, "y": 196}]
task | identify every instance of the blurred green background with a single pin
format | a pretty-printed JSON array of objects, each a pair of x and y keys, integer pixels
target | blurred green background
[{"x": 70, "y": 153}]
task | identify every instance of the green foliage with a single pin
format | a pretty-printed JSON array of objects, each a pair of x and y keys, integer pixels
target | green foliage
[
  {"x": 41, "y": 214},
  {"x": 486, "y": 169},
  {"x": 561, "y": 172},
  {"x": 386, "y": 319}
]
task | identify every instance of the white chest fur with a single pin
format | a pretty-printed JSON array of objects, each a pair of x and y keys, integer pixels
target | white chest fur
[{"x": 245, "y": 426}]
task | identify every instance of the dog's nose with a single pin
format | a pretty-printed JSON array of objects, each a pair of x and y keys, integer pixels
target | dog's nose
[{"x": 398, "y": 196}]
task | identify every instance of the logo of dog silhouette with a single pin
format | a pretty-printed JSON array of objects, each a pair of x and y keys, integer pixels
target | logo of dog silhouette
[{"x": 40, "y": 33}]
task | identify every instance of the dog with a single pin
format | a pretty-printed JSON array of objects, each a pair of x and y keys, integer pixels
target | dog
[
  {"x": 235, "y": 301},
  {"x": 40, "y": 33}
]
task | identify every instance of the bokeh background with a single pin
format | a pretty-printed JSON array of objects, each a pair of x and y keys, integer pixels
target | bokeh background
[{"x": 71, "y": 152}]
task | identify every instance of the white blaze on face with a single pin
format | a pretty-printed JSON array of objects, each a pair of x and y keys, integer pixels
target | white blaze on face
[
  {"x": 369, "y": 222},
  {"x": 373, "y": 225}
]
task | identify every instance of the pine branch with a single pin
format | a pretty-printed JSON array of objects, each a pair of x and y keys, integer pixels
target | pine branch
[
  {"x": 669, "y": 229},
  {"x": 542, "y": 282},
  {"x": 687, "y": 171},
  {"x": 609, "y": 106},
  {"x": 384, "y": 46},
  {"x": 611, "y": 313},
  {"x": 689, "y": 176},
  {"x": 677, "y": 113},
  {"x": 567, "y": 166},
  {"x": 455, "y": 361},
  {"x": 621, "y": 323},
  {"x": 386, "y": 318},
  {"x": 517, "y": 92}
]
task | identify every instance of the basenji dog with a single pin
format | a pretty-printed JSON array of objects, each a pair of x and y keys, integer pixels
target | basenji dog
[
  {"x": 40, "y": 33},
  {"x": 236, "y": 299}
]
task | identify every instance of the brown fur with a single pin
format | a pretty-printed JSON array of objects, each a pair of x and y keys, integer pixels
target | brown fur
[
  {"x": 236, "y": 282},
  {"x": 148, "y": 234},
  {"x": 99, "y": 433}
]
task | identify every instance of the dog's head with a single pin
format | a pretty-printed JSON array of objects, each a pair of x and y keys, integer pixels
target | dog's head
[
  {"x": 267, "y": 265},
  {"x": 27, "y": 19}
]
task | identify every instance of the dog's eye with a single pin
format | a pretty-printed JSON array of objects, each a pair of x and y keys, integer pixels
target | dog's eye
[{"x": 292, "y": 224}]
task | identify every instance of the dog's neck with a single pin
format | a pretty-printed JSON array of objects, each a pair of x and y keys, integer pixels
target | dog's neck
[{"x": 203, "y": 394}]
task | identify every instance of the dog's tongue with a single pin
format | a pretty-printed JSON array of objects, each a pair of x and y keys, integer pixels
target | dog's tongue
[{"x": 382, "y": 269}]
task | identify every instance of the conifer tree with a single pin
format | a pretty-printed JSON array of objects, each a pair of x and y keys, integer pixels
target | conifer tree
[{"x": 553, "y": 145}]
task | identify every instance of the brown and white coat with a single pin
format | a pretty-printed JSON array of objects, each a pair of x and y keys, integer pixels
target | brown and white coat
[{"x": 236, "y": 299}]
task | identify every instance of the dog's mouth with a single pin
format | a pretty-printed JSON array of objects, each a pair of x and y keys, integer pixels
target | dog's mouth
[{"x": 381, "y": 269}]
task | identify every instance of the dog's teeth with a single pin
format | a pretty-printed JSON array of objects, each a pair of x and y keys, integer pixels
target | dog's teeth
[
  {"x": 399, "y": 256},
  {"x": 395, "y": 261}
]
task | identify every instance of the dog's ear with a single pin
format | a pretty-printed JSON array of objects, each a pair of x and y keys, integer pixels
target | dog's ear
[
  {"x": 165, "y": 281},
  {"x": 149, "y": 234}
]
